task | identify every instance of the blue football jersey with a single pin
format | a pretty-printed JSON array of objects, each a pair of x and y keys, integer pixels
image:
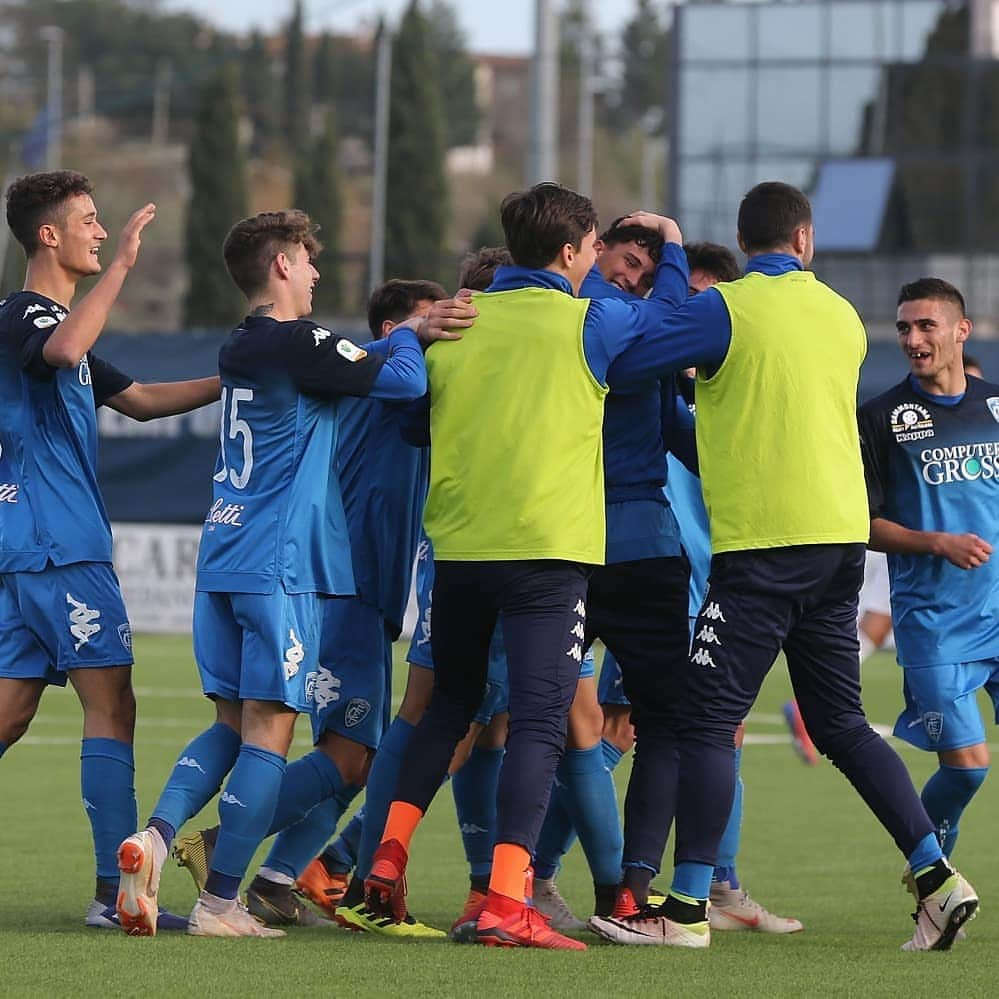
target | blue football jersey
[
  {"x": 384, "y": 484},
  {"x": 277, "y": 516},
  {"x": 51, "y": 509},
  {"x": 932, "y": 464}
]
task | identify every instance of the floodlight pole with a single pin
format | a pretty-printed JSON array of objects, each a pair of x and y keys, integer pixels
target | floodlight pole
[
  {"x": 53, "y": 36},
  {"x": 383, "y": 82},
  {"x": 543, "y": 157},
  {"x": 587, "y": 62}
]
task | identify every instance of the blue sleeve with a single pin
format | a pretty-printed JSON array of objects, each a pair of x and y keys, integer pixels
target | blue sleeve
[
  {"x": 678, "y": 428},
  {"x": 403, "y": 376},
  {"x": 697, "y": 334},
  {"x": 615, "y": 323}
]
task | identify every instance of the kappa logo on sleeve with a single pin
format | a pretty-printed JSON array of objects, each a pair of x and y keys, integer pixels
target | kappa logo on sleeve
[
  {"x": 320, "y": 335},
  {"x": 31, "y": 309},
  {"x": 350, "y": 351}
]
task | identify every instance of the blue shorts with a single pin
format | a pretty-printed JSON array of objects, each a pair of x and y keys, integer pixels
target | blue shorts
[
  {"x": 64, "y": 617},
  {"x": 941, "y": 709},
  {"x": 353, "y": 690},
  {"x": 610, "y": 688},
  {"x": 259, "y": 646}
]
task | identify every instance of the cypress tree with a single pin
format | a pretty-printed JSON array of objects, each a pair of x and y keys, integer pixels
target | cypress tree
[
  {"x": 296, "y": 83},
  {"x": 217, "y": 172},
  {"x": 260, "y": 92},
  {"x": 417, "y": 200},
  {"x": 317, "y": 191}
]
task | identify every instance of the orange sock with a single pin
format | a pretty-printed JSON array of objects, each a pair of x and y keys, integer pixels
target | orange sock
[
  {"x": 403, "y": 818},
  {"x": 510, "y": 863}
]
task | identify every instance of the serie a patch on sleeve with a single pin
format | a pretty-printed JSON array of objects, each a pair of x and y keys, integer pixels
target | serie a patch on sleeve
[{"x": 350, "y": 351}]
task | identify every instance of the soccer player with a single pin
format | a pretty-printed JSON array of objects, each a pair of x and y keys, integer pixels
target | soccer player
[
  {"x": 784, "y": 489},
  {"x": 61, "y": 611},
  {"x": 732, "y": 908},
  {"x": 475, "y": 764},
  {"x": 532, "y": 392},
  {"x": 930, "y": 446},
  {"x": 384, "y": 483},
  {"x": 274, "y": 544}
]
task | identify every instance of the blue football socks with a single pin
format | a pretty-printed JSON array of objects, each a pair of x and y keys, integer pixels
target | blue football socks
[
  {"x": 107, "y": 781},
  {"x": 340, "y": 856},
  {"x": 474, "y": 790},
  {"x": 728, "y": 848},
  {"x": 381, "y": 788},
  {"x": 196, "y": 778},
  {"x": 246, "y": 808},
  {"x": 308, "y": 781},
  {"x": 296, "y": 845},
  {"x": 692, "y": 881},
  {"x": 946, "y": 795},
  {"x": 926, "y": 854},
  {"x": 588, "y": 795}
]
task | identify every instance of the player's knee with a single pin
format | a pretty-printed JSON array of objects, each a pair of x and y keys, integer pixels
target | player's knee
[
  {"x": 839, "y": 741},
  {"x": 14, "y": 726}
]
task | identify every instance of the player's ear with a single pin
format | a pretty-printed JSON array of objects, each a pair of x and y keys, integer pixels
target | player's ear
[
  {"x": 48, "y": 235},
  {"x": 963, "y": 330},
  {"x": 282, "y": 265}
]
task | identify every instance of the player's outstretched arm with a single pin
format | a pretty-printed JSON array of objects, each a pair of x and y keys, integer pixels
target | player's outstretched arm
[
  {"x": 966, "y": 551},
  {"x": 78, "y": 332},
  {"x": 147, "y": 402},
  {"x": 446, "y": 319}
]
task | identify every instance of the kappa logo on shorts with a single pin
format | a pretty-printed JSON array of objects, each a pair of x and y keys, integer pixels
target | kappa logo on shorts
[
  {"x": 933, "y": 722},
  {"x": 580, "y": 608},
  {"x": 576, "y": 652},
  {"x": 322, "y": 687},
  {"x": 293, "y": 655},
  {"x": 82, "y": 621},
  {"x": 8, "y": 492},
  {"x": 578, "y": 630},
  {"x": 125, "y": 634},
  {"x": 708, "y": 636},
  {"x": 356, "y": 711},
  {"x": 713, "y": 613},
  {"x": 703, "y": 658},
  {"x": 230, "y": 799}
]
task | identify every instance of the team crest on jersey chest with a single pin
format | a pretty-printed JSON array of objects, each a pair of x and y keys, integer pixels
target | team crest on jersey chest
[
  {"x": 993, "y": 404},
  {"x": 911, "y": 421}
]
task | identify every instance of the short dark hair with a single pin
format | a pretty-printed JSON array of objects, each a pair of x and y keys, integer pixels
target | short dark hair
[
  {"x": 931, "y": 287},
  {"x": 478, "y": 268},
  {"x": 649, "y": 239},
  {"x": 719, "y": 261},
  {"x": 770, "y": 213},
  {"x": 971, "y": 362},
  {"x": 540, "y": 221},
  {"x": 395, "y": 300},
  {"x": 253, "y": 243},
  {"x": 39, "y": 198}
]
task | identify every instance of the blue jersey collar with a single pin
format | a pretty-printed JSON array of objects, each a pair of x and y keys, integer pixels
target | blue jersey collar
[
  {"x": 773, "y": 264},
  {"x": 512, "y": 277},
  {"x": 940, "y": 400}
]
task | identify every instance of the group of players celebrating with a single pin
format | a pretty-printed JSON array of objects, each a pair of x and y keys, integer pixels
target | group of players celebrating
[{"x": 513, "y": 442}]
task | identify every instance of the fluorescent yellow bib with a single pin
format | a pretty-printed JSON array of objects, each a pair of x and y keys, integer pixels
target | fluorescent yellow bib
[
  {"x": 516, "y": 457},
  {"x": 777, "y": 436}
]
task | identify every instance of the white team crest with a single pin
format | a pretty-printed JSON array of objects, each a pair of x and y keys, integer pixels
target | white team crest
[
  {"x": 125, "y": 634},
  {"x": 82, "y": 622},
  {"x": 319, "y": 335},
  {"x": 44, "y": 322},
  {"x": 293, "y": 655},
  {"x": 933, "y": 723},
  {"x": 993, "y": 403},
  {"x": 356, "y": 711},
  {"x": 350, "y": 351},
  {"x": 322, "y": 687}
]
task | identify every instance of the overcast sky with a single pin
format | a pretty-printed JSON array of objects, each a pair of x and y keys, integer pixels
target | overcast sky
[{"x": 497, "y": 26}]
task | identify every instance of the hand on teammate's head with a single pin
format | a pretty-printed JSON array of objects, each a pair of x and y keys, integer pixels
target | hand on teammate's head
[
  {"x": 666, "y": 227},
  {"x": 446, "y": 319}
]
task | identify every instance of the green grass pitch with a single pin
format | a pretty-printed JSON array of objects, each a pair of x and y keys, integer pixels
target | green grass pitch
[{"x": 810, "y": 849}]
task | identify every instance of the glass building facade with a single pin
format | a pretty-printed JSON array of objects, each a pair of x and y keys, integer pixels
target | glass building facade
[{"x": 790, "y": 91}]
